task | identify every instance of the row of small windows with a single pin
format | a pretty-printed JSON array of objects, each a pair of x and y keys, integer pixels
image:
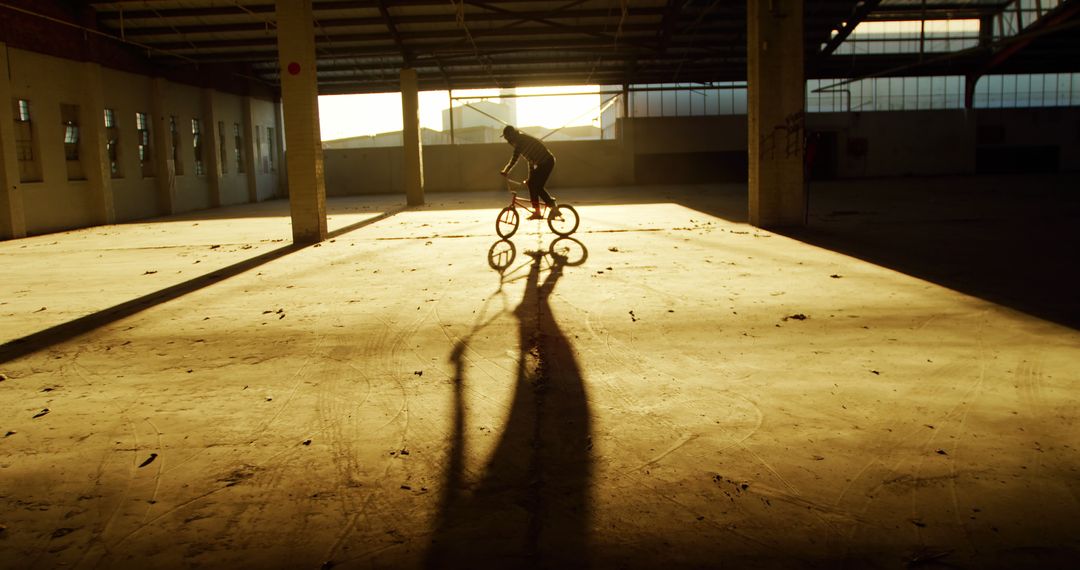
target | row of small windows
[
  {"x": 874, "y": 94},
  {"x": 30, "y": 167},
  {"x": 910, "y": 36}
]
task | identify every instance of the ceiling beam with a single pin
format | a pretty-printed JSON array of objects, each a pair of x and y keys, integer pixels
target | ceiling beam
[
  {"x": 136, "y": 29},
  {"x": 406, "y": 53},
  {"x": 861, "y": 12}
]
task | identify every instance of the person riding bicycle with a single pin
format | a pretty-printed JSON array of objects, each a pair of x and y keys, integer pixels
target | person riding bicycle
[{"x": 541, "y": 163}]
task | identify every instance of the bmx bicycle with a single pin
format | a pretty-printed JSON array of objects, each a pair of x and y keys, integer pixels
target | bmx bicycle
[{"x": 563, "y": 220}]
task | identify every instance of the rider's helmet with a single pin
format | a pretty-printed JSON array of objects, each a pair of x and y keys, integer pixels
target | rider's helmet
[{"x": 508, "y": 131}]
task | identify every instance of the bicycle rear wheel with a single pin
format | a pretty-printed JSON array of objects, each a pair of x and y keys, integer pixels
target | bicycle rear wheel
[
  {"x": 507, "y": 222},
  {"x": 564, "y": 220}
]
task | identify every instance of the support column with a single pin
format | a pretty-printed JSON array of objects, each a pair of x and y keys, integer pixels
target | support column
[
  {"x": 161, "y": 149},
  {"x": 413, "y": 164},
  {"x": 94, "y": 143},
  {"x": 775, "y": 105},
  {"x": 299, "y": 91},
  {"x": 247, "y": 132},
  {"x": 12, "y": 216},
  {"x": 211, "y": 148}
]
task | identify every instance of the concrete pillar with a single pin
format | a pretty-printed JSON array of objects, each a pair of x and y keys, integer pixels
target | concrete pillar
[
  {"x": 775, "y": 105},
  {"x": 279, "y": 151},
  {"x": 247, "y": 132},
  {"x": 211, "y": 148},
  {"x": 299, "y": 91},
  {"x": 413, "y": 175},
  {"x": 94, "y": 144},
  {"x": 12, "y": 215},
  {"x": 161, "y": 149}
]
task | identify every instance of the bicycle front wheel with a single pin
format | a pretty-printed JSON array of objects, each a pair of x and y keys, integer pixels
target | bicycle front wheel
[
  {"x": 507, "y": 222},
  {"x": 563, "y": 220}
]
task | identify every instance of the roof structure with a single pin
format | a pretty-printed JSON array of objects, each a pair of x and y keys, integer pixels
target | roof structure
[{"x": 361, "y": 45}]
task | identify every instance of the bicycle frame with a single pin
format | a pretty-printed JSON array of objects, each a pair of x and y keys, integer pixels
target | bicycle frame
[{"x": 523, "y": 203}]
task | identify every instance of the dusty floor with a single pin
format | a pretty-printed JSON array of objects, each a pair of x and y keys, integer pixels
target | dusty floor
[{"x": 671, "y": 388}]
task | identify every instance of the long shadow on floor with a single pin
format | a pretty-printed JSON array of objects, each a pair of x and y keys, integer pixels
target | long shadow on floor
[
  {"x": 1011, "y": 244},
  {"x": 531, "y": 506}
]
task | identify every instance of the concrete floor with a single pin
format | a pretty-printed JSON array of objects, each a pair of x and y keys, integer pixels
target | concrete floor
[{"x": 672, "y": 388}]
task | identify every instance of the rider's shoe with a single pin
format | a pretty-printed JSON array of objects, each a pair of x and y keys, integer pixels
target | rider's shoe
[
  {"x": 555, "y": 214},
  {"x": 535, "y": 216}
]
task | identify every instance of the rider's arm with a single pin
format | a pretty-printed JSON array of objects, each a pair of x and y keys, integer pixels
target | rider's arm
[{"x": 513, "y": 161}]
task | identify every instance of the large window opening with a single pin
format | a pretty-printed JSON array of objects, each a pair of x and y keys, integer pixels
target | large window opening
[{"x": 472, "y": 116}]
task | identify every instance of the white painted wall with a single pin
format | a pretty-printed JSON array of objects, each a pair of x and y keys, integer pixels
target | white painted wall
[
  {"x": 55, "y": 203},
  {"x": 134, "y": 195},
  {"x": 229, "y": 111}
]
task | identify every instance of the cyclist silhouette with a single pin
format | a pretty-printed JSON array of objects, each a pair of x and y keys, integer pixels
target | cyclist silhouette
[{"x": 541, "y": 163}]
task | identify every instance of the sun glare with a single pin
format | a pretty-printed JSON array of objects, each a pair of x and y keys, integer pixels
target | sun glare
[{"x": 344, "y": 116}]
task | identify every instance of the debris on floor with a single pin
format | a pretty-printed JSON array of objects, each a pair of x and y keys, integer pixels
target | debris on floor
[
  {"x": 632, "y": 317},
  {"x": 307, "y": 442},
  {"x": 796, "y": 317},
  {"x": 148, "y": 461},
  {"x": 41, "y": 413},
  {"x": 835, "y": 276}
]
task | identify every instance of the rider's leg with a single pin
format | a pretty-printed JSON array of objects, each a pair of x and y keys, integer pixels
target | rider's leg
[
  {"x": 534, "y": 193},
  {"x": 541, "y": 174}
]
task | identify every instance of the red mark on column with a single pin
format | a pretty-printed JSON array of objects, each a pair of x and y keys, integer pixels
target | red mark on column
[{"x": 294, "y": 68}]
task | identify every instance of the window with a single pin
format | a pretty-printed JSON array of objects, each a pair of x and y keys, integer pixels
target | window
[
  {"x": 112, "y": 143},
  {"x": 25, "y": 148},
  {"x": 687, "y": 99},
  {"x": 1035, "y": 90},
  {"x": 178, "y": 165},
  {"x": 270, "y": 147},
  {"x": 238, "y": 145},
  {"x": 69, "y": 121},
  {"x": 223, "y": 153},
  {"x": 197, "y": 146},
  {"x": 911, "y": 36},
  {"x": 146, "y": 161}
]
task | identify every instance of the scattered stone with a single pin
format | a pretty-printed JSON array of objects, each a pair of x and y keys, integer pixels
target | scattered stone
[
  {"x": 406, "y": 488},
  {"x": 419, "y": 372},
  {"x": 929, "y": 426},
  {"x": 918, "y": 523},
  {"x": 39, "y": 310},
  {"x": 41, "y": 413},
  {"x": 60, "y": 532},
  {"x": 150, "y": 272},
  {"x": 818, "y": 458},
  {"x": 941, "y": 452},
  {"x": 796, "y": 317},
  {"x": 835, "y": 276},
  {"x": 307, "y": 442},
  {"x": 148, "y": 461},
  {"x": 214, "y": 246},
  {"x": 10, "y": 433},
  {"x": 404, "y": 451},
  {"x": 875, "y": 372},
  {"x": 3, "y": 377},
  {"x": 613, "y": 249},
  {"x": 632, "y": 317}
]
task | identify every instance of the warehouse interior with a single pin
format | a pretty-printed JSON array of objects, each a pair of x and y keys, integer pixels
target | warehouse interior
[{"x": 820, "y": 310}]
